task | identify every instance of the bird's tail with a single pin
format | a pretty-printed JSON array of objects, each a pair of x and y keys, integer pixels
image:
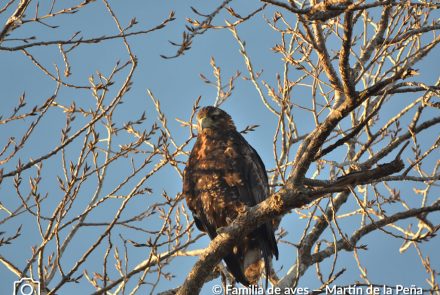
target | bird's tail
[
  {"x": 235, "y": 267},
  {"x": 267, "y": 256},
  {"x": 253, "y": 264}
]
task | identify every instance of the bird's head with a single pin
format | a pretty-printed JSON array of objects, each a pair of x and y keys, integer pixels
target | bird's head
[{"x": 215, "y": 119}]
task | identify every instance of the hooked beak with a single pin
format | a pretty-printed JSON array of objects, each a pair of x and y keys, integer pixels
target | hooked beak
[{"x": 205, "y": 123}]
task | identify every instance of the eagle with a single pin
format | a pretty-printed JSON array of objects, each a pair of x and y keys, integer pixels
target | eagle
[{"x": 223, "y": 175}]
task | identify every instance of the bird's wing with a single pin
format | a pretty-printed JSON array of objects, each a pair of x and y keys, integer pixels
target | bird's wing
[
  {"x": 254, "y": 171},
  {"x": 256, "y": 189},
  {"x": 190, "y": 194}
]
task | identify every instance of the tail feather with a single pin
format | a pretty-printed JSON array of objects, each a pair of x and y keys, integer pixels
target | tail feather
[
  {"x": 253, "y": 263},
  {"x": 268, "y": 246},
  {"x": 246, "y": 263},
  {"x": 271, "y": 240},
  {"x": 234, "y": 266},
  {"x": 267, "y": 256}
]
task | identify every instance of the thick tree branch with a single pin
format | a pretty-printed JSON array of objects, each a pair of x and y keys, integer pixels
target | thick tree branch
[
  {"x": 15, "y": 19},
  {"x": 278, "y": 204}
]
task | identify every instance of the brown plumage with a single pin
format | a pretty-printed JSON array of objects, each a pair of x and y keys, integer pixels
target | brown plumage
[{"x": 224, "y": 174}]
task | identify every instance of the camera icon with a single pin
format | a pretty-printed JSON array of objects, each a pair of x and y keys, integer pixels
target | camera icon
[{"x": 26, "y": 286}]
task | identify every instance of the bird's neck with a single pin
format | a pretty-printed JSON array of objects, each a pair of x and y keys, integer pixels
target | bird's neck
[
  {"x": 211, "y": 144},
  {"x": 215, "y": 134}
]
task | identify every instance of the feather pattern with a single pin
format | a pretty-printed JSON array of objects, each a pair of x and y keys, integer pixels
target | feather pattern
[{"x": 222, "y": 176}]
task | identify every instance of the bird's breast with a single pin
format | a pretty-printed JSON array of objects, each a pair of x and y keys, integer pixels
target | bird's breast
[{"x": 217, "y": 179}]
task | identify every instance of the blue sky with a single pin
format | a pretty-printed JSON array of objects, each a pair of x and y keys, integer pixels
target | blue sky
[{"x": 177, "y": 84}]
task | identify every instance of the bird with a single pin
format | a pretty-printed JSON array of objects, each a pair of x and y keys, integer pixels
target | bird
[{"x": 223, "y": 175}]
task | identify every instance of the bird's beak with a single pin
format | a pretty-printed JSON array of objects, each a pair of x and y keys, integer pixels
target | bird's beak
[{"x": 205, "y": 122}]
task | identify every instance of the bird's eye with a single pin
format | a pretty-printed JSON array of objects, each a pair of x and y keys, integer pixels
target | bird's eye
[{"x": 214, "y": 117}]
